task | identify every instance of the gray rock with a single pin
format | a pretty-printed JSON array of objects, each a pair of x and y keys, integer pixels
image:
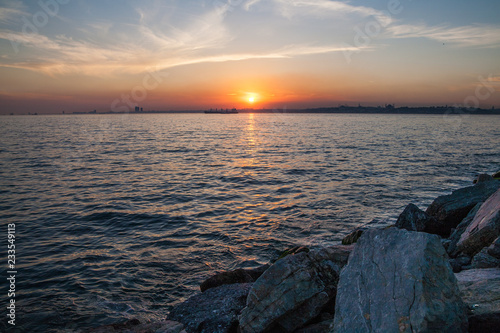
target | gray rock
[
  {"x": 294, "y": 290},
  {"x": 480, "y": 289},
  {"x": 496, "y": 175},
  {"x": 457, "y": 233},
  {"x": 483, "y": 178},
  {"x": 459, "y": 263},
  {"x": 484, "y": 229},
  {"x": 414, "y": 219},
  {"x": 398, "y": 281},
  {"x": 353, "y": 236},
  {"x": 229, "y": 277},
  {"x": 484, "y": 260},
  {"x": 293, "y": 250},
  {"x": 450, "y": 210},
  {"x": 494, "y": 249},
  {"x": 214, "y": 311}
]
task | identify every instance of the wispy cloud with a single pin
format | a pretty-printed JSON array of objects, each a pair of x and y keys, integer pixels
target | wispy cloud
[
  {"x": 250, "y": 3},
  {"x": 11, "y": 11},
  {"x": 464, "y": 36},
  {"x": 63, "y": 55},
  {"x": 290, "y": 8}
]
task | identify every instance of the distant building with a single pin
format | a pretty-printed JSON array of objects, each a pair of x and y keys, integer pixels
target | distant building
[{"x": 137, "y": 109}]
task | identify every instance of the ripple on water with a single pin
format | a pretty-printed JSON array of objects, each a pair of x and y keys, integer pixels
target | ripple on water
[{"x": 128, "y": 221}]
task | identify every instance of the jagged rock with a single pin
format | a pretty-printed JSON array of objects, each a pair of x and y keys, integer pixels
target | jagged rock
[
  {"x": 494, "y": 249},
  {"x": 480, "y": 290},
  {"x": 229, "y": 277},
  {"x": 353, "y": 236},
  {"x": 294, "y": 290},
  {"x": 484, "y": 229},
  {"x": 483, "y": 178},
  {"x": 214, "y": 311},
  {"x": 450, "y": 210},
  {"x": 134, "y": 326},
  {"x": 414, "y": 219},
  {"x": 484, "y": 260},
  {"x": 460, "y": 263},
  {"x": 457, "y": 233},
  {"x": 290, "y": 251},
  {"x": 398, "y": 281},
  {"x": 497, "y": 175}
]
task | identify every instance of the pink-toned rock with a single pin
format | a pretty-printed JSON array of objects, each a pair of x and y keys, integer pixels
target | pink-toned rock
[{"x": 484, "y": 229}]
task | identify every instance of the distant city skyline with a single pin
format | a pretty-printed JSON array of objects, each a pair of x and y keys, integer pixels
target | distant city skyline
[{"x": 79, "y": 56}]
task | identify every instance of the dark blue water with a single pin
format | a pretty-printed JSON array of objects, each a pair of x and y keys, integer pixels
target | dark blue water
[{"x": 121, "y": 216}]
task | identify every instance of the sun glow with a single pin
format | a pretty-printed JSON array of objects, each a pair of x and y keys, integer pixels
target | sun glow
[{"x": 251, "y": 99}]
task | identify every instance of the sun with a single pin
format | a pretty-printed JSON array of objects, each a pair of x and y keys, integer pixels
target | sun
[{"x": 251, "y": 99}]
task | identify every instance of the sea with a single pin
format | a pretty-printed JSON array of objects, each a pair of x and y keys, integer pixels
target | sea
[{"x": 122, "y": 216}]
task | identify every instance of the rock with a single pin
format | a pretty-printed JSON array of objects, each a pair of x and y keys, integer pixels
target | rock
[
  {"x": 483, "y": 178},
  {"x": 414, "y": 219},
  {"x": 230, "y": 277},
  {"x": 255, "y": 273},
  {"x": 494, "y": 249},
  {"x": 457, "y": 233},
  {"x": 321, "y": 327},
  {"x": 293, "y": 250},
  {"x": 134, "y": 326},
  {"x": 496, "y": 175},
  {"x": 484, "y": 229},
  {"x": 446, "y": 242},
  {"x": 459, "y": 263},
  {"x": 484, "y": 260},
  {"x": 398, "y": 281},
  {"x": 214, "y": 311},
  {"x": 294, "y": 290},
  {"x": 480, "y": 289},
  {"x": 353, "y": 236},
  {"x": 450, "y": 210}
]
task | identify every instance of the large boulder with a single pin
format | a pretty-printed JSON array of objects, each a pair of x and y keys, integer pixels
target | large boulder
[
  {"x": 484, "y": 229},
  {"x": 414, "y": 219},
  {"x": 214, "y": 311},
  {"x": 294, "y": 290},
  {"x": 494, "y": 249},
  {"x": 480, "y": 289},
  {"x": 450, "y": 210},
  {"x": 484, "y": 260},
  {"x": 231, "y": 277},
  {"x": 398, "y": 281},
  {"x": 460, "y": 229}
]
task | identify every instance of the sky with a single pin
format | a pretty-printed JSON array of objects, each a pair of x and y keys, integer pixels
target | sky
[{"x": 84, "y": 55}]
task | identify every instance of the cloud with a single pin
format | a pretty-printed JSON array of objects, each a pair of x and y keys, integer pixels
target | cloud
[
  {"x": 12, "y": 11},
  {"x": 250, "y": 3},
  {"x": 290, "y": 8},
  {"x": 63, "y": 55},
  {"x": 465, "y": 36}
]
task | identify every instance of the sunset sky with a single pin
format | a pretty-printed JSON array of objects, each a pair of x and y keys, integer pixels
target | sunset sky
[{"x": 81, "y": 55}]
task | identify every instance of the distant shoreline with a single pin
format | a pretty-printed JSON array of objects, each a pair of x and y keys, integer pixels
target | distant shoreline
[{"x": 389, "y": 109}]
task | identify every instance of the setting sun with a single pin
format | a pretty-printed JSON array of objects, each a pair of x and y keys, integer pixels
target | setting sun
[{"x": 251, "y": 99}]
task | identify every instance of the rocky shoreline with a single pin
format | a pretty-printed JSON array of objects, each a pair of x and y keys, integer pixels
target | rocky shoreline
[{"x": 433, "y": 271}]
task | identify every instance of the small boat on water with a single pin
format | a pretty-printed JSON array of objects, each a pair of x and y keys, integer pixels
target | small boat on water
[{"x": 222, "y": 111}]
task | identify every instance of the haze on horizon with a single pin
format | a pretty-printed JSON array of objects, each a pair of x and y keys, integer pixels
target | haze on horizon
[{"x": 81, "y": 55}]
